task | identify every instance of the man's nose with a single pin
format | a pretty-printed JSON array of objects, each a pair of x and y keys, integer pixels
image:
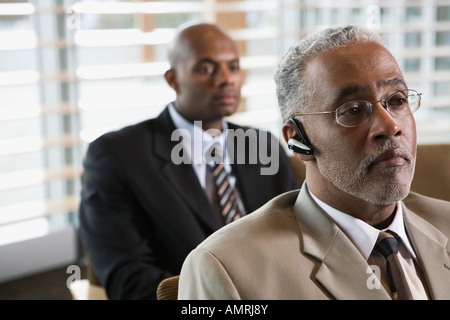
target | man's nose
[
  {"x": 224, "y": 76},
  {"x": 383, "y": 124}
]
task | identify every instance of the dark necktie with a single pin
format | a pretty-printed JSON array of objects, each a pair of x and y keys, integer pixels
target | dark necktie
[
  {"x": 225, "y": 191},
  {"x": 403, "y": 281}
]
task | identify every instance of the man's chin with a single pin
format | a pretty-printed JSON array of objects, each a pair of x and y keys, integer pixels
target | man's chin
[
  {"x": 388, "y": 194},
  {"x": 226, "y": 110}
]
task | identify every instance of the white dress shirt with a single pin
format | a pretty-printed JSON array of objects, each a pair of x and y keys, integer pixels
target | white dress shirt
[
  {"x": 196, "y": 142},
  {"x": 364, "y": 236}
]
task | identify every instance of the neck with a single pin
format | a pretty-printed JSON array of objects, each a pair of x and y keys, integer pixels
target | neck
[
  {"x": 378, "y": 216},
  {"x": 216, "y": 123}
]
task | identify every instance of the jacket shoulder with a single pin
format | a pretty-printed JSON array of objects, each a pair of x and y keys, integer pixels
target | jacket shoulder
[
  {"x": 276, "y": 216},
  {"x": 125, "y": 132},
  {"x": 137, "y": 129},
  {"x": 435, "y": 211}
]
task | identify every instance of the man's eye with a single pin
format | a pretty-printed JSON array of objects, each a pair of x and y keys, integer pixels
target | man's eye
[
  {"x": 351, "y": 110},
  {"x": 234, "y": 67},
  {"x": 206, "y": 69},
  {"x": 398, "y": 100}
]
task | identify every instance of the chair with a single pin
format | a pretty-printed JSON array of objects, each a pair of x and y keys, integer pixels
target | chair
[
  {"x": 168, "y": 289},
  {"x": 432, "y": 176}
]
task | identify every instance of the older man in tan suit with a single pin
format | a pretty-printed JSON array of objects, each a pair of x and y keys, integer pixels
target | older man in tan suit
[{"x": 354, "y": 230}]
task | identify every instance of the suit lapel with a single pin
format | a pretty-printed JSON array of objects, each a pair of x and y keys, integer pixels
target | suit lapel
[
  {"x": 247, "y": 178},
  {"x": 431, "y": 248},
  {"x": 342, "y": 270},
  {"x": 247, "y": 172},
  {"x": 182, "y": 176}
]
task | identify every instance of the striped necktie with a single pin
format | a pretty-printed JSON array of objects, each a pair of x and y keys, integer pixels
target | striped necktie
[
  {"x": 225, "y": 191},
  {"x": 403, "y": 280}
]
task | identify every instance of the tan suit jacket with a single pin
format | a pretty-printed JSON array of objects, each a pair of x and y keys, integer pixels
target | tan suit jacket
[{"x": 290, "y": 249}]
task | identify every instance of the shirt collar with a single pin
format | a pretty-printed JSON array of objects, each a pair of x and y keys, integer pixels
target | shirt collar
[
  {"x": 363, "y": 235},
  {"x": 194, "y": 137}
]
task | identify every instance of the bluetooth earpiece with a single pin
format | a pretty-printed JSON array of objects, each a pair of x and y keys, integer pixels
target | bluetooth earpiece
[
  {"x": 300, "y": 144},
  {"x": 298, "y": 147}
]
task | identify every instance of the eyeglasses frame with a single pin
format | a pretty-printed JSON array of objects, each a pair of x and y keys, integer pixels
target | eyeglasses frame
[{"x": 382, "y": 102}]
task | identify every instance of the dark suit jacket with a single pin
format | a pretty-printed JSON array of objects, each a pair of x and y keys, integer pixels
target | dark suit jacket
[{"x": 140, "y": 214}]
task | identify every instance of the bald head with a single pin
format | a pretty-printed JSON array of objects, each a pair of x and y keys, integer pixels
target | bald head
[
  {"x": 205, "y": 74},
  {"x": 190, "y": 36}
]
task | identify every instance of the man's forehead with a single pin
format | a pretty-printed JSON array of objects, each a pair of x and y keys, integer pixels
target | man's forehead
[
  {"x": 355, "y": 65},
  {"x": 355, "y": 56},
  {"x": 228, "y": 59},
  {"x": 195, "y": 45},
  {"x": 393, "y": 82}
]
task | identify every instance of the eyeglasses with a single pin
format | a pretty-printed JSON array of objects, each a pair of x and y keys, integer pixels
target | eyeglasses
[{"x": 356, "y": 112}]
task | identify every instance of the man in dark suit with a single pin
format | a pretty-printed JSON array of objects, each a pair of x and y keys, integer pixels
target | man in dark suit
[{"x": 146, "y": 201}]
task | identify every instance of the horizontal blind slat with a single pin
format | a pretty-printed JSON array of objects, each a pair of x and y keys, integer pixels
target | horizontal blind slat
[
  {"x": 32, "y": 177},
  {"x": 37, "y": 209}
]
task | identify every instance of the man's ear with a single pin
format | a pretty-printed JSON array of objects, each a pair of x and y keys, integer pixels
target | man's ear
[
  {"x": 290, "y": 132},
  {"x": 171, "y": 78}
]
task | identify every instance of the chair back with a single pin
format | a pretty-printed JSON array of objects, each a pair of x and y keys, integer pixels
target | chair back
[{"x": 168, "y": 289}]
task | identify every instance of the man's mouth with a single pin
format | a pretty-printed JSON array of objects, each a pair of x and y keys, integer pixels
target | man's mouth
[
  {"x": 391, "y": 158},
  {"x": 226, "y": 98}
]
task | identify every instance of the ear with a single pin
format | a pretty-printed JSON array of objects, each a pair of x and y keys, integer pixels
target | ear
[
  {"x": 171, "y": 78},
  {"x": 290, "y": 132}
]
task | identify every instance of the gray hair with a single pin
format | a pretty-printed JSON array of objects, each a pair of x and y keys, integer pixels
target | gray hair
[{"x": 294, "y": 91}]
